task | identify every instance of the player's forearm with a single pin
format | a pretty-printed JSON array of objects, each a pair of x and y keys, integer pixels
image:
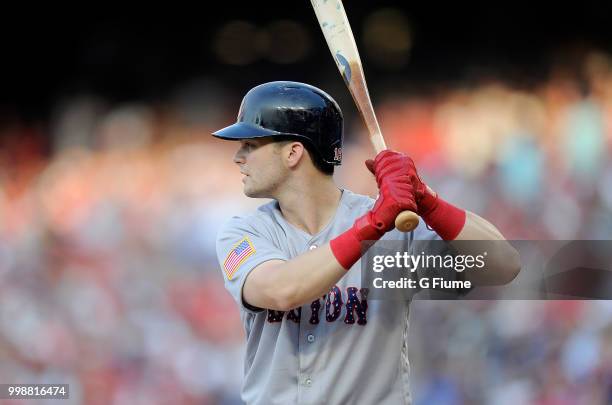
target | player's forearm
[
  {"x": 302, "y": 279},
  {"x": 290, "y": 284},
  {"x": 478, "y": 228},
  {"x": 503, "y": 260}
]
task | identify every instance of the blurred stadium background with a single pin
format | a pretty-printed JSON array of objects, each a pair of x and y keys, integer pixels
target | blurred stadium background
[{"x": 111, "y": 189}]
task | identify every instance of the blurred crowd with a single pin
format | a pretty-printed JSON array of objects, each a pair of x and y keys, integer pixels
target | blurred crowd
[
  {"x": 511, "y": 352},
  {"x": 108, "y": 216}
]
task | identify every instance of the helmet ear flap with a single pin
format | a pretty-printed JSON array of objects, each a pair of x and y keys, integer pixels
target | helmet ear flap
[{"x": 291, "y": 109}]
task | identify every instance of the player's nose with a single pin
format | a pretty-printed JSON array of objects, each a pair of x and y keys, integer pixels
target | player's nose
[{"x": 239, "y": 157}]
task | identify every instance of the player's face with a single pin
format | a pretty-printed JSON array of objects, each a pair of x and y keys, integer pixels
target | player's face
[{"x": 260, "y": 163}]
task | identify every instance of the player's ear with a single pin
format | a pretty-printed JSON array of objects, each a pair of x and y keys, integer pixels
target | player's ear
[{"x": 294, "y": 153}]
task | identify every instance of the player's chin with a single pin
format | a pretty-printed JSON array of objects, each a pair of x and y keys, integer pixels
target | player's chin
[
  {"x": 255, "y": 192},
  {"x": 251, "y": 191}
]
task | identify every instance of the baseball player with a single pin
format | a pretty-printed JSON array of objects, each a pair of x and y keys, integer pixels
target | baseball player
[{"x": 293, "y": 265}]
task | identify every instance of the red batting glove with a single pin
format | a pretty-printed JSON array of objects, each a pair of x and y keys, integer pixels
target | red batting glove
[
  {"x": 396, "y": 194},
  {"x": 441, "y": 216}
]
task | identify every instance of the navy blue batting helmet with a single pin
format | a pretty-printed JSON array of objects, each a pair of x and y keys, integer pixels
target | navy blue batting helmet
[{"x": 294, "y": 110}]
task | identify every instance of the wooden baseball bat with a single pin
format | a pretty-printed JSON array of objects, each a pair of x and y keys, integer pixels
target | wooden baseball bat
[{"x": 339, "y": 36}]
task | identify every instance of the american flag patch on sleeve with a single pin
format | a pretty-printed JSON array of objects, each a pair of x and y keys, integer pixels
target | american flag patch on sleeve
[{"x": 239, "y": 253}]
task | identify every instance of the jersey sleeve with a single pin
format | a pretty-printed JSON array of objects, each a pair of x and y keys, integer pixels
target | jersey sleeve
[{"x": 241, "y": 248}]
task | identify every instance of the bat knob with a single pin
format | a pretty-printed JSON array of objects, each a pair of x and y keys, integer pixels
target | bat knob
[{"x": 406, "y": 221}]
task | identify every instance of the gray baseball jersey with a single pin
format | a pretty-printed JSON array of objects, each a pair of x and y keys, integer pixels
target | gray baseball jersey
[{"x": 336, "y": 349}]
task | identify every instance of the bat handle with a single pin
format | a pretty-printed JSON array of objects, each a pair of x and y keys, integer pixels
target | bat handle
[{"x": 406, "y": 221}]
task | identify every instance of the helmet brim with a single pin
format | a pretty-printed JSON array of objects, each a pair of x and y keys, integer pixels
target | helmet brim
[{"x": 241, "y": 130}]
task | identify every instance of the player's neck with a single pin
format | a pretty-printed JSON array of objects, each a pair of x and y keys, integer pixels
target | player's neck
[{"x": 310, "y": 203}]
